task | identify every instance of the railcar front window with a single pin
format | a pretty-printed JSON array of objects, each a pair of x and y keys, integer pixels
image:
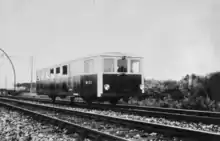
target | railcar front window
[
  {"x": 122, "y": 65},
  {"x": 135, "y": 66},
  {"x": 108, "y": 65}
]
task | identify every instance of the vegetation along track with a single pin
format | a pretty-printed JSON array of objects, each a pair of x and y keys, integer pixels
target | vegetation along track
[{"x": 170, "y": 128}]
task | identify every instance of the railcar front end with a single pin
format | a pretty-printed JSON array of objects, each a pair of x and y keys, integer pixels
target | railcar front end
[{"x": 122, "y": 78}]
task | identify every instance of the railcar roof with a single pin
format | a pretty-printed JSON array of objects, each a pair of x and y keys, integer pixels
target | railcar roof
[
  {"x": 113, "y": 54},
  {"x": 119, "y": 54}
]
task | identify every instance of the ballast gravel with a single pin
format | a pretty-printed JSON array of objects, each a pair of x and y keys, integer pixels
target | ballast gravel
[{"x": 15, "y": 126}]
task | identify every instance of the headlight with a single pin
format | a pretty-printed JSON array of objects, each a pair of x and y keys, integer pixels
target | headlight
[
  {"x": 107, "y": 87},
  {"x": 141, "y": 86}
]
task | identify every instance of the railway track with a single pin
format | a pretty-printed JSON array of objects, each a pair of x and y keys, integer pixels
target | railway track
[
  {"x": 173, "y": 114},
  {"x": 66, "y": 115},
  {"x": 83, "y": 131},
  {"x": 169, "y": 113},
  {"x": 148, "y": 126}
]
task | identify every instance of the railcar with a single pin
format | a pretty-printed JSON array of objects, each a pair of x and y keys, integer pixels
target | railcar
[{"x": 104, "y": 77}]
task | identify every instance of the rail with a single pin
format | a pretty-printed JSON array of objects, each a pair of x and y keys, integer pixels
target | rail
[
  {"x": 186, "y": 115},
  {"x": 164, "y": 129},
  {"x": 94, "y": 134}
]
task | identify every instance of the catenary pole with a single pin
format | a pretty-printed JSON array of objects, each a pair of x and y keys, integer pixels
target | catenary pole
[{"x": 12, "y": 67}]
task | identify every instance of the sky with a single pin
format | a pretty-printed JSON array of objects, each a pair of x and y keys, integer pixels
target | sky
[{"x": 175, "y": 37}]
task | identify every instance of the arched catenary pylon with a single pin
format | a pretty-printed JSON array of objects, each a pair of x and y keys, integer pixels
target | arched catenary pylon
[{"x": 12, "y": 67}]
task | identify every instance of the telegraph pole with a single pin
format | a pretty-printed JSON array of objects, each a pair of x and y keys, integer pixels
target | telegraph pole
[
  {"x": 6, "y": 82},
  {"x": 32, "y": 60}
]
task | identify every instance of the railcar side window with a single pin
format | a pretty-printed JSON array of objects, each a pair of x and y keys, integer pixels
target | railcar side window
[
  {"x": 88, "y": 66},
  {"x": 51, "y": 71},
  {"x": 64, "y": 69},
  {"x": 108, "y": 65},
  {"x": 122, "y": 65},
  {"x": 57, "y": 70},
  {"x": 135, "y": 66}
]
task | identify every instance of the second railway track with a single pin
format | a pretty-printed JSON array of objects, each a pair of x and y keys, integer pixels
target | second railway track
[
  {"x": 67, "y": 118},
  {"x": 173, "y": 114},
  {"x": 152, "y": 126}
]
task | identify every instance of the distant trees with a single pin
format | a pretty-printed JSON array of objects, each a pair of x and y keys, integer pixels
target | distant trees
[{"x": 190, "y": 92}]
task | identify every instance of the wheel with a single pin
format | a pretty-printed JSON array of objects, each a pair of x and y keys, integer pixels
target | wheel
[
  {"x": 72, "y": 100},
  {"x": 89, "y": 102},
  {"x": 53, "y": 98},
  {"x": 113, "y": 101},
  {"x": 126, "y": 99},
  {"x": 63, "y": 97}
]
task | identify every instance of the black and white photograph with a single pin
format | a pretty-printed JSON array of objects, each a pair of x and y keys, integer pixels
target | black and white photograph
[{"x": 109, "y": 70}]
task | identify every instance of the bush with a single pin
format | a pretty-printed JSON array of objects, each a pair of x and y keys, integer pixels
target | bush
[{"x": 191, "y": 92}]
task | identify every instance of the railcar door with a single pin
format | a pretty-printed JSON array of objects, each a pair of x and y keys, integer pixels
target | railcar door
[
  {"x": 89, "y": 81},
  {"x": 89, "y": 86}
]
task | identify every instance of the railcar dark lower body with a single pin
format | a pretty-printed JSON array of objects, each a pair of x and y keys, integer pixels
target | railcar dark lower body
[{"x": 111, "y": 88}]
